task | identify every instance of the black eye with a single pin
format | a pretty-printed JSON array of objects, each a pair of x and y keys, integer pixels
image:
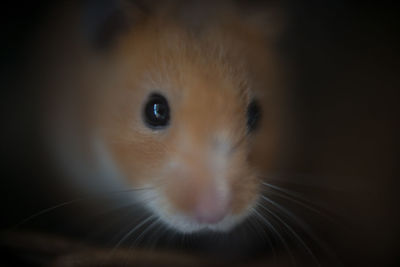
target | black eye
[
  {"x": 156, "y": 111},
  {"x": 253, "y": 115}
]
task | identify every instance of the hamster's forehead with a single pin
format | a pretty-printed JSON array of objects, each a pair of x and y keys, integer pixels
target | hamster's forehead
[{"x": 172, "y": 60}]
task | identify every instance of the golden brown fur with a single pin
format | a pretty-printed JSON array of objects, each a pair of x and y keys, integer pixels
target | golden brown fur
[{"x": 209, "y": 74}]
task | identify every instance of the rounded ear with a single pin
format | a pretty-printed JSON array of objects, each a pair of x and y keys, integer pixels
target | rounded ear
[
  {"x": 104, "y": 20},
  {"x": 265, "y": 17}
]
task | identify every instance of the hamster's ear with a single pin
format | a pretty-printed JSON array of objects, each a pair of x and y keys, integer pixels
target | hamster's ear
[
  {"x": 268, "y": 17},
  {"x": 104, "y": 20},
  {"x": 265, "y": 17}
]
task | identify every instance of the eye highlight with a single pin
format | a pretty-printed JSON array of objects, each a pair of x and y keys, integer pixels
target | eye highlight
[
  {"x": 253, "y": 115},
  {"x": 156, "y": 113}
]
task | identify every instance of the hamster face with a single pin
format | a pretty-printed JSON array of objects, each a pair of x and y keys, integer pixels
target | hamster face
[
  {"x": 178, "y": 121},
  {"x": 170, "y": 107}
]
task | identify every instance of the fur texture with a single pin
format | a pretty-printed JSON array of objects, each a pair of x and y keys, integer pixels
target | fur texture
[{"x": 199, "y": 170}]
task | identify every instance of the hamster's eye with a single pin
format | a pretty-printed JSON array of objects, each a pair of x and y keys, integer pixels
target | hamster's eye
[
  {"x": 253, "y": 115},
  {"x": 156, "y": 111}
]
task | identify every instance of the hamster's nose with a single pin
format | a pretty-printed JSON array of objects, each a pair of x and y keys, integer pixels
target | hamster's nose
[{"x": 211, "y": 207}]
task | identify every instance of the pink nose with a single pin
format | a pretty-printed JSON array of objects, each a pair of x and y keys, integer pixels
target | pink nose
[{"x": 211, "y": 208}]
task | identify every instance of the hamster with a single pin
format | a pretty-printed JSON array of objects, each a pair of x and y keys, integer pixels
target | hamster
[
  {"x": 178, "y": 107},
  {"x": 183, "y": 104}
]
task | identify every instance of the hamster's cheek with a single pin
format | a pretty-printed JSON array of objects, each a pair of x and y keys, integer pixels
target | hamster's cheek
[
  {"x": 245, "y": 189},
  {"x": 138, "y": 154},
  {"x": 136, "y": 164}
]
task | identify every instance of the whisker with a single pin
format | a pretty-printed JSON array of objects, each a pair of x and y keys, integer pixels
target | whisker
[
  {"x": 305, "y": 227},
  {"x": 70, "y": 202},
  {"x": 291, "y": 230},
  {"x": 295, "y": 198},
  {"x": 150, "y": 226},
  {"x": 130, "y": 214},
  {"x": 253, "y": 222},
  {"x": 124, "y": 224},
  {"x": 283, "y": 190},
  {"x": 47, "y": 210},
  {"x": 152, "y": 239},
  {"x": 280, "y": 237},
  {"x": 309, "y": 180},
  {"x": 129, "y": 233}
]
